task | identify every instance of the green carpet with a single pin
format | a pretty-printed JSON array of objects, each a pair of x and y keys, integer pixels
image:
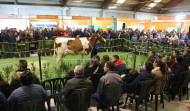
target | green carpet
[{"x": 70, "y": 61}]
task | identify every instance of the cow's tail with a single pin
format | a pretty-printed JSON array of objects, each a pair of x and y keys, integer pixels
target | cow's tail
[{"x": 54, "y": 55}]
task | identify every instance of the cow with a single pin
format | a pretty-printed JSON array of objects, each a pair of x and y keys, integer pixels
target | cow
[{"x": 84, "y": 46}]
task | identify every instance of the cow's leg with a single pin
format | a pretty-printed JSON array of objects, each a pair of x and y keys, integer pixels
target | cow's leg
[{"x": 59, "y": 59}]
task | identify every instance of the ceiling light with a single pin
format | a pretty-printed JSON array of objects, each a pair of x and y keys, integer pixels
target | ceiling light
[
  {"x": 157, "y": 1},
  {"x": 112, "y": 7},
  {"x": 77, "y": 1},
  {"x": 120, "y": 1},
  {"x": 152, "y": 4}
]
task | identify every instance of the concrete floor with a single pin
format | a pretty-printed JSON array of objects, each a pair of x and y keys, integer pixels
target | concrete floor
[{"x": 175, "y": 105}]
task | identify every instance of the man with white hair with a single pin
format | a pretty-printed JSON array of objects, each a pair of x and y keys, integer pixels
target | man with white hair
[
  {"x": 174, "y": 37},
  {"x": 79, "y": 81}
]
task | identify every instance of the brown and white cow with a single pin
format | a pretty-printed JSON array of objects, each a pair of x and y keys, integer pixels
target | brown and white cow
[{"x": 83, "y": 46}]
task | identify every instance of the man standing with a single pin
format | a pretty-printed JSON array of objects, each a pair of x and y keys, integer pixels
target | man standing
[{"x": 27, "y": 92}]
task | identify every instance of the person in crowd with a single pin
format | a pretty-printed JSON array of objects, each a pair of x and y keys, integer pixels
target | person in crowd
[
  {"x": 78, "y": 82},
  {"x": 187, "y": 56},
  {"x": 164, "y": 60},
  {"x": 8, "y": 37},
  {"x": 27, "y": 92},
  {"x": 95, "y": 49},
  {"x": 4, "y": 90},
  {"x": 134, "y": 37},
  {"x": 16, "y": 81},
  {"x": 152, "y": 56},
  {"x": 110, "y": 78},
  {"x": 177, "y": 79},
  {"x": 159, "y": 71},
  {"x": 70, "y": 73},
  {"x": 93, "y": 68},
  {"x": 174, "y": 37},
  {"x": 127, "y": 79},
  {"x": 173, "y": 60},
  {"x": 105, "y": 58},
  {"x": 66, "y": 33},
  {"x": 3, "y": 102},
  {"x": 119, "y": 65},
  {"x": 145, "y": 74}
]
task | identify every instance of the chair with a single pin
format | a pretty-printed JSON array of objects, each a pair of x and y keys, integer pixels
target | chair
[
  {"x": 53, "y": 84},
  {"x": 65, "y": 79},
  {"x": 78, "y": 99},
  {"x": 5, "y": 88},
  {"x": 140, "y": 93},
  {"x": 37, "y": 105},
  {"x": 185, "y": 77},
  {"x": 95, "y": 80},
  {"x": 162, "y": 80},
  {"x": 111, "y": 96},
  {"x": 58, "y": 101},
  {"x": 169, "y": 76}
]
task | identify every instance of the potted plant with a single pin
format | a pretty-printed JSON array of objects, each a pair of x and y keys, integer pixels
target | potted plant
[
  {"x": 27, "y": 48},
  {"x": 22, "y": 52},
  {"x": 16, "y": 53},
  {"x": 47, "y": 49},
  {"x": 43, "y": 47},
  {"x": 7, "y": 70},
  {"x": 46, "y": 71}
]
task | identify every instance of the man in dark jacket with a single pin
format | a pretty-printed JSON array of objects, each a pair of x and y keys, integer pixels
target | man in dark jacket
[
  {"x": 187, "y": 56},
  {"x": 8, "y": 37},
  {"x": 152, "y": 56},
  {"x": 78, "y": 82},
  {"x": 27, "y": 92}
]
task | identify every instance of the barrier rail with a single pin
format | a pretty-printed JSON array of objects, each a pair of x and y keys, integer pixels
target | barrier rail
[{"x": 45, "y": 47}]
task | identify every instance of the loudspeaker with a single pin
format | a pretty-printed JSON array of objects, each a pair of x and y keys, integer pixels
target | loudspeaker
[{"x": 123, "y": 26}]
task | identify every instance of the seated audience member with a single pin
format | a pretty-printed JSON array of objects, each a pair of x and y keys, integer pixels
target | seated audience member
[
  {"x": 15, "y": 81},
  {"x": 173, "y": 62},
  {"x": 3, "y": 89},
  {"x": 88, "y": 63},
  {"x": 145, "y": 74},
  {"x": 159, "y": 71},
  {"x": 164, "y": 60},
  {"x": 27, "y": 92},
  {"x": 119, "y": 65},
  {"x": 70, "y": 73},
  {"x": 152, "y": 56},
  {"x": 3, "y": 102},
  {"x": 176, "y": 80},
  {"x": 78, "y": 82},
  {"x": 128, "y": 78},
  {"x": 104, "y": 60},
  {"x": 93, "y": 68},
  {"x": 110, "y": 78},
  {"x": 187, "y": 56}
]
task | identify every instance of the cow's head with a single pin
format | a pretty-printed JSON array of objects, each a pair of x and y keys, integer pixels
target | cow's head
[{"x": 99, "y": 38}]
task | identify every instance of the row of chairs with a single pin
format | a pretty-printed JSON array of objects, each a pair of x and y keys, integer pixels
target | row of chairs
[{"x": 144, "y": 86}]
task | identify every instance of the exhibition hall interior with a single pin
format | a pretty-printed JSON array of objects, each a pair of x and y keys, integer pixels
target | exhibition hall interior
[{"x": 94, "y": 55}]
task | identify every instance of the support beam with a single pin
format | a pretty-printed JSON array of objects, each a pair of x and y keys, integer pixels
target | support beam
[
  {"x": 15, "y": 2},
  {"x": 172, "y": 3},
  {"x": 137, "y": 7},
  {"x": 106, "y": 4},
  {"x": 65, "y": 2},
  {"x": 169, "y": 5}
]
